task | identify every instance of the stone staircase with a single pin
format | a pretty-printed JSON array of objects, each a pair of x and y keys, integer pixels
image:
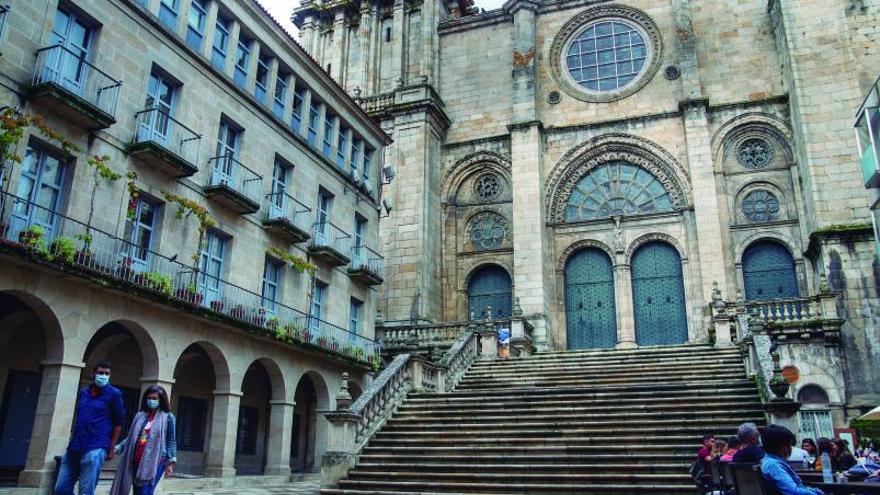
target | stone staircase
[{"x": 584, "y": 422}]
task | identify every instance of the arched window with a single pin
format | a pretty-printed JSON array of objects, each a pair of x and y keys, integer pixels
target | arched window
[
  {"x": 590, "y": 316},
  {"x": 489, "y": 287},
  {"x": 768, "y": 272},
  {"x": 616, "y": 189},
  {"x": 658, "y": 295},
  {"x": 814, "y": 418}
]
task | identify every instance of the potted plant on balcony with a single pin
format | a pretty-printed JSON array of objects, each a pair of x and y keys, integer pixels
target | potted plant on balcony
[
  {"x": 322, "y": 342},
  {"x": 218, "y": 305},
  {"x": 334, "y": 345},
  {"x": 32, "y": 237},
  {"x": 237, "y": 312},
  {"x": 125, "y": 270},
  {"x": 62, "y": 249},
  {"x": 159, "y": 282},
  {"x": 305, "y": 335},
  {"x": 191, "y": 294},
  {"x": 375, "y": 362},
  {"x": 273, "y": 324}
]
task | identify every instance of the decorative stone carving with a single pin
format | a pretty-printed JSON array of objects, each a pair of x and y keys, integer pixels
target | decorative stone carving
[
  {"x": 614, "y": 148},
  {"x": 760, "y": 205},
  {"x": 558, "y": 49},
  {"x": 488, "y": 230},
  {"x": 487, "y": 187},
  {"x": 755, "y": 153}
]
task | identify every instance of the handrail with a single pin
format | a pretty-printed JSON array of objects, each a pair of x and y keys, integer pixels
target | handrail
[
  {"x": 226, "y": 170},
  {"x": 67, "y": 242},
  {"x": 363, "y": 257},
  {"x": 290, "y": 209},
  {"x": 158, "y": 126},
  {"x": 59, "y": 65}
]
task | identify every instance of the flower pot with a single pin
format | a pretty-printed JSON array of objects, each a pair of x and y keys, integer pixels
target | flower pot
[
  {"x": 83, "y": 257},
  {"x": 29, "y": 238},
  {"x": 217, "y": 306}
]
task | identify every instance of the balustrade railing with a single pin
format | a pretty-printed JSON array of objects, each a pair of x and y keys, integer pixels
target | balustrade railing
[
  {"x": 364, "y": 258},
  {"x": 326, "y": 234},
  {"x": 66, "y": 242},
  {"x": 71, "y": 71},
  {"x": 283, "y": 206},
  {"x": 376, "y": 103},
  {"x": 378, "y": 402},
  {"x": 155, "y": 125},
  {"x": 787, "y": 310},
  {"x": 459, "y": 358},
  {"x": 229, "y": 172}
]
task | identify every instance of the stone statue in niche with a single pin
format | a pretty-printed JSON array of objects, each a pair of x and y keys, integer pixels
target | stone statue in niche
[{"x": 619, "y": 241}]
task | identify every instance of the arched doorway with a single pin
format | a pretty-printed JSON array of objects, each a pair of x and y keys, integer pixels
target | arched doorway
[
  {"x": 308, "y": 425},
  {"x": 489, "y": 287},
  {"x": 114, "y": 342},
  {"x": 658, "y": 295},
  {"x": 253, "y": 421},
  {"x": 590, "y": 316},
  {"x": 20, "y": 379},
  {"x": 768, "y": 272},
  {"x": 192, "y": 400}
]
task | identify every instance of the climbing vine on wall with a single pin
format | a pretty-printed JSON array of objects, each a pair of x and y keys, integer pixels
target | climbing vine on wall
[{"x": 186, "y": 206}]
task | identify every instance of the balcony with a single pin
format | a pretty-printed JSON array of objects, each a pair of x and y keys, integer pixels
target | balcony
[
  {"x": 867, "y": 126},
  {"x": 367, "y": 266},
  {"x": 76, "y": 89},
  {"x": 330, "y": 244},
  {"x": 233, "y": 185},
  {"x": 165, "y": 144},
  {"x": 287, "y": 218},
  {"x": 50, "y": 239}
]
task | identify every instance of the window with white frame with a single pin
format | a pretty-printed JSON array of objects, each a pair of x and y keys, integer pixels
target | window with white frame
[
  {"x": 329, "y": 126},
  {"x": 368, "y": 162},
  {"x": 280, "y": 94},
  {"x": 261, "y": 82},
  {"x": 314, "y": 115},
  {"x": 271, "y": 284},
  {"x": 354, "y": 316},
  {"x": 195, "y": 25},
  {"x": 317, "y": 309},
  {"x": 296, "y": 115},
  {"x": 220, "y": 47},
  {"x": 342, "y": 146},
  {"x": 356, "y": 154},
  {"x": 242, "y": 62}
]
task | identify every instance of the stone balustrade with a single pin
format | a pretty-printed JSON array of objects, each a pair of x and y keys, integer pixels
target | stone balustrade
[
  {"x": 351, "y": 426},
  {"x": 376, "y": 104}
]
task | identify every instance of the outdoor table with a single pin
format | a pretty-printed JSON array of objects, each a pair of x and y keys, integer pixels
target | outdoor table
[{"x": 855, "y": 488}]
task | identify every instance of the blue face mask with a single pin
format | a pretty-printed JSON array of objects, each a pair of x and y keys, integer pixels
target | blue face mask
[
  {"x": 153, "y": 404},
  {"x": 102, "y": 381}
]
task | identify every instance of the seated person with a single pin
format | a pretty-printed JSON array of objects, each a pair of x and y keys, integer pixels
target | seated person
[
  {"x": 843, "y": 458},
  {"x": 732, "y": 448},
  {"x": 750, "y": 450},
  {"x": 779, "y": 477}
]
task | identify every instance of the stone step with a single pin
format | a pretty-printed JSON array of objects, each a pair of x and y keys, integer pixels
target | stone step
[
  {"x": 702, "y": 389},
  {"x": 422, "y": 488},
  {"x": 731, "y": 401},
  {"x": 520, "y": 448},
  {"x": 691, "y": 354},
  {"x": 693, "y": 350},
  {"x": 649, "y": 366},
  {"x": 520, "y": 477},
  {"x": 468, "y": 384},
  {"x": 632, "y": 424},
  {"x": 471, "y": 439},
  {"x": 632, "y": 376},
  {"x": 610, "y": 409},
  {"x": 478, "y": 458},
  {"x": 549, "y": 429},
  {"x": 675, "y": 468}
]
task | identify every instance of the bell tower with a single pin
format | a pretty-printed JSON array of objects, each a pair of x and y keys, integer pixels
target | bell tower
[{"x": 385, "y": 54}]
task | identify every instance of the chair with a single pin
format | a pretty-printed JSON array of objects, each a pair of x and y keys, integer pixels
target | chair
[{"x": 747, "y": 479}]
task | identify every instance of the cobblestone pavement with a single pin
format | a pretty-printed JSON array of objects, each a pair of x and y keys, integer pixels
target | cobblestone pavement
[{"x": 297, "y": 488}]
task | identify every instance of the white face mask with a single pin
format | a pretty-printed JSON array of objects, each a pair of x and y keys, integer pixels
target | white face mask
[{"x": 102, "y": 381}]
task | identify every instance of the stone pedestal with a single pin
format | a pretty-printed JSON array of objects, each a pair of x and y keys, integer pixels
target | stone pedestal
[{"x": 340, "y": 456}]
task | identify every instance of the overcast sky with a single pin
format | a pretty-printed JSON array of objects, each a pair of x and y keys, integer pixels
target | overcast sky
[{"x": 281, "y": 9}]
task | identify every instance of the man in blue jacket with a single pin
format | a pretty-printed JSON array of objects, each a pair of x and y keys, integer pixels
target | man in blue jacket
[
  {"x": 96, "y": 429},
  {"x": 779, "y": 477}
]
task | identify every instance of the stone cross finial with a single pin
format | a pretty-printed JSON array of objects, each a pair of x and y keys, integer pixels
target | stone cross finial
[{"x": 343, "y": 398}]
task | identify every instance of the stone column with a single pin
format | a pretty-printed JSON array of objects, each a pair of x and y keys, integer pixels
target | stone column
[
  {"x": 290, "y": 80},
  {"x": 280, "y": 436},
  {"x": 210, "y": 28},
  {"x": 397, "y": 25},
  {"x": 234, "y": 33},
  {"x": 271, "y": 82},
  {"x": 308, "y": 34},
  {"x": 306, "y": 113},
  {"x": 626, "y": 324},
  {"x": 183, "y": 17},
  {"x": 224, "y": 431},
  {"x": 337, "y": 57},
  {"x": 532, "y": 281},
  {"x": 365, "y": 32},
  {"x": 54, "y": 417},
  {"x": 428, "y": 65},
  {"x": 252, "y": 66}
]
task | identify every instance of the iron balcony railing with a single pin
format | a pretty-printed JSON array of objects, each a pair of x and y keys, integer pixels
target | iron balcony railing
[
  {"x": 283, "y": 206},
  {"x": 155, "y": 125},
  {"x": 326, "y": 234},
  {"x": 229, "y": 172},
  {"x": 364, "y": 258},
  {"x": 66, "y": 242},
  {"x": 4, "y": 13},
  {"x": 71, "y": 71}
]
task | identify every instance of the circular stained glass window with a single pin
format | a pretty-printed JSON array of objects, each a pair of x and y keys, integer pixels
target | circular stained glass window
[
  {"x": 606, "y": 56},
  {"x": 755, "y": 153},
  {"x": 760, "y": 206},
  {"x": 487, "y": 186},
  {"x": 487, "y": 231}
]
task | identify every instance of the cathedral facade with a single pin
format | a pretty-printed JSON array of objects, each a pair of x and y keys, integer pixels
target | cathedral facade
[{"x": 611, "y": 168}]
